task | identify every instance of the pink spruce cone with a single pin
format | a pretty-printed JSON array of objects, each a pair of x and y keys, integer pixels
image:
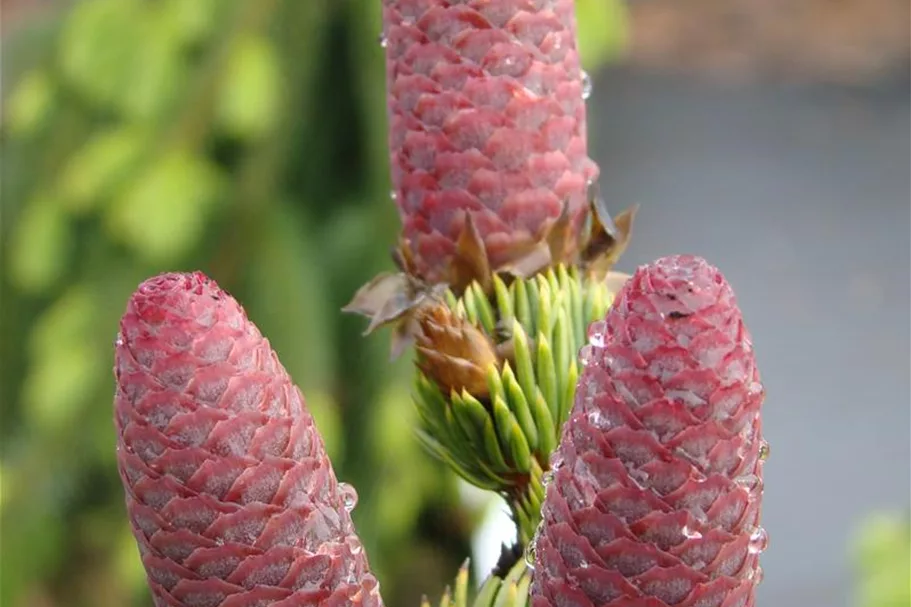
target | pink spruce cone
[
  {"x": 657, "y": 488},
  {"x": 230, "y": 494},
  {"x": 487, "y": 117}
]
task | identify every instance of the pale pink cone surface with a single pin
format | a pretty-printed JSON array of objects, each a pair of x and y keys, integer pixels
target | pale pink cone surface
[
  {"x": 486, "y": 116},
  {"x": 230, "y": 494},
  {"x": 657, "y": 488}
]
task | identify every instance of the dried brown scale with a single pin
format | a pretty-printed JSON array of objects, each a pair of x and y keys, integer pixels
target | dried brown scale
[
  {"x": 656, "y": 495},
  {"x": 452, "y": 351},
  {"x": 231, "y": 496},
  {"x": 487, "y": 118}
]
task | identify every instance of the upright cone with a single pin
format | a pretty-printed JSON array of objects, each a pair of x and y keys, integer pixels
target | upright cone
[
  {"x": 487, "y": 120},
  {"x": 230, "y": 494},
  {"x": 657, "y": 487}
]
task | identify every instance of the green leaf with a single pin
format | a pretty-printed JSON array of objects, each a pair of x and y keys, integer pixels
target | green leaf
[
  {"x": 287, "y": 297},
  {"x": 100, "y": 166},
  {"x": 99, "y": 50},
  {"x": 163, "y": 214},
  {"x": 883, "y": 551},
  {"x": 569, "y": 392},
  {"x": 440, "y": 452},
  {"x": 30, "y": 103},
  {"x": 40, "y": 246},
  {"x": 504, "y": 422},
  {"x": 602, "y": 31},
  {"x": 518, "y": 404},
  {"x": 519, "y": 448},
  {"x": 326, "y": 416},
  {"x": 248, "y": 106},
  {"x": 59, "y": 384},
  {"x": 562, "y": 352},
  {"x": 504, "y": 301},
  {"x": 545, "y": 308},
  {"x": 522, "y": 306},
  {"x": 547, "y": 432},
  {"x": 488, "y": 592},
  {"x": 159, "y": 71},
  {"x": 485, "y": 311},
  {"x": 192, "y": 21},
  {"x": 525, "y": 371},
  {"x": 546, "y": 373}
]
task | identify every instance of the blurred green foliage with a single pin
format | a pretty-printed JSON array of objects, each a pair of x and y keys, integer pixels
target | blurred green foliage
[
  {"x": 246, "y": 138},
  {"x": 884, "y": 561}
]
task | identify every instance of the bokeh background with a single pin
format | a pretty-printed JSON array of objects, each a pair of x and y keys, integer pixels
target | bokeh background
[{"x": 246, "y": 138}]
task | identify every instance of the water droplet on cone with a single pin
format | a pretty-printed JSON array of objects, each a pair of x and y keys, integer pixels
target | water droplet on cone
[
  {"x": 586, "y": 85},
  {"x": 531, "y": 551},
  {"x": 348, "y": 495},
  {"x": 596, "y": 332},
  {"x": 547, "y": 478},
  {"x": 384, "y": 42},
  {"x": 759, "y": 541},
  {"x": 764, "y": 451},
  {"x": 586, "y": 355},
  {"x": 690, "y": 533}
]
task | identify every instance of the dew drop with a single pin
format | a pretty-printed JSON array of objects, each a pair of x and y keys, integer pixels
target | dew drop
[
  {"x": 118, "y": 341},
  {"x": 348, "y": 494},
  {"x": 383, "y": 40},
  {"x": 354, "y": 546},
  {"x": 599, "y": 420},
  {"x": 531, "y": 553},
  {"x": 759, "y": 541},
  {"x": 393, "y": 195},
  {"x": 690, "y": 533},
  {"x": 586, "y": 85},
  {"x": 764, "y": 451},
  {"x": 587, "y": 355},
  {"x": 547, "y": 478},
  {"x": 596, "y": 333}
]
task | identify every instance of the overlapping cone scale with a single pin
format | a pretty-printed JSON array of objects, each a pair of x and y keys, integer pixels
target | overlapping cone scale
[
  {"x": 657, "y": 485},
  {"x": 487, "y": 120},
  {"x": 230, "y": 494}
]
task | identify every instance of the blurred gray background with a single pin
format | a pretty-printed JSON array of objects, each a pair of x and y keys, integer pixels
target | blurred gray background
[{"x": 800, "y": 194}]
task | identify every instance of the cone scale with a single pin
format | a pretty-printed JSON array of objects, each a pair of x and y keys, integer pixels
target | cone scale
[
  {"x": 487, "y": 120},
  {"x": 231, "y": 496},
  {"x": 657, "y": 485}
]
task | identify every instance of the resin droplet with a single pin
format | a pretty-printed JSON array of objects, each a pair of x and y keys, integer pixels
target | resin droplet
[
  {"x": 759, "y": 541},
  {"x": 596, "y": 332},
  {"x": 348, "y": 495},
  {"x": 764, "y": 451},
  {"x": 586, "y": 85}
]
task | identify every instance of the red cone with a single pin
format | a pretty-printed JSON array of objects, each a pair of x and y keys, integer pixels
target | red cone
[
  {"x": 230, "y": 494},
  {"x": 657, "y": 488},
  {"x": 487, "y": 117}
]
